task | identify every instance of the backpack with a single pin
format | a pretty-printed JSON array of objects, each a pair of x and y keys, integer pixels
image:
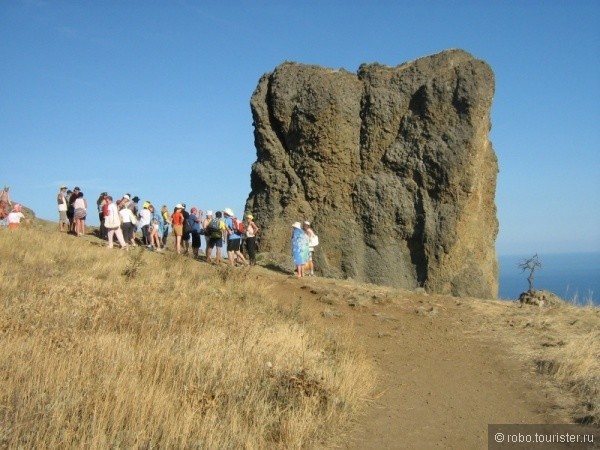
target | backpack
[
  {"x": 238, "y": 227},
  {"x": 187, "y": 226},
  {"x": 213, "y": 230}
]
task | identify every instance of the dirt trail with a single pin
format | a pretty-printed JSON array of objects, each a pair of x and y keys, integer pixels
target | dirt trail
[{"x": 441, "y": 379}]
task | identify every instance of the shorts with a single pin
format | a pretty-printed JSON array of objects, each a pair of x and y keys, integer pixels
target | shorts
[
  {"x": 79, "y": 213},
  {"x": 62, "y": 217},
  {"x": 178, "y": 230},
  {"x": 215, "y": 242},
  {"x": 233, "y": 245}
]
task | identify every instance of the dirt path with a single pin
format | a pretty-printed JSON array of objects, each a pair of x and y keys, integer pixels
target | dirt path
[{"x": 442, "y": 375}]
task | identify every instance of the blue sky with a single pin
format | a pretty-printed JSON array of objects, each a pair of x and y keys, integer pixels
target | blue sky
[{"x": 152, "y": 97}]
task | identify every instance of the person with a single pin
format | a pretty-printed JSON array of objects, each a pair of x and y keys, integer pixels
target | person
[
  {"x": 166, "y": 219},
  {"x": 251, "y": 232},
  {"x": 61, "y": 199},
  {"x": 185, "y": 237},
  {"x": 155, "y": 229},
  {"x": 312, "y": 243},
  {"x": 15, "y": 216},
  {"x": 195, "y": 221},
  {"x": 216, "y": 232},
  {"x": 5, "y": 203},
  {"x": 112, "y": 223},
  {"x": 299, "y": 248},
  {"x": 208, "y": 218},
  {"x": 133, "y": 204},
  {"x": 79, "y": 212},
  {"x": 71, "y": 197},
  {"x": 144, "y": 223},
  {"x": 127, "y": 225},
  {"x": 177, "y": 221},
  {"x": 102, "y": 206},
  {"x": 234, "y": 238}
]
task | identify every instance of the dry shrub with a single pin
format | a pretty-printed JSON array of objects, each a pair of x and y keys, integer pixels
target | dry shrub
[{"x": 179, "y": 355}]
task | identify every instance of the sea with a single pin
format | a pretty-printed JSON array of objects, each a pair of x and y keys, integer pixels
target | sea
[{"x": 574, "y": 277}]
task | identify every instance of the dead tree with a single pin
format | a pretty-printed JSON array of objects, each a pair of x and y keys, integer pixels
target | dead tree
[{"x": 530, "y": 264}]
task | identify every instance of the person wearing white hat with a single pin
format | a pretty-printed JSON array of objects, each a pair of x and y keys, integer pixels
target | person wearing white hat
[
  {"x": 234, "y": 239},
  {"x": 299, "y": 248}
]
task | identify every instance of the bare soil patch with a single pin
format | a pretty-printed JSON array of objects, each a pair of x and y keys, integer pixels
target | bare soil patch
[{"x": 447, "y": 367}]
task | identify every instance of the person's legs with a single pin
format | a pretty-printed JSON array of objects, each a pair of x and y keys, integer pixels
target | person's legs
[
  {"x": 110, "y": 235},
  {"x": 251, "y": 248},
  {"x": 209, "y": 247},
  {"x": 195, "y": 244},
  {"x": 219, "y": 245},
  {"x": 120, "y": 238},
  {"x": 240, "y": 257},
  {"x": 230, "y": 256}
]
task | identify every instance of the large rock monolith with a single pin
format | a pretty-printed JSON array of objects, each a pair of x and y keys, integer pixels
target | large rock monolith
[{"x": 393, "y": 165}]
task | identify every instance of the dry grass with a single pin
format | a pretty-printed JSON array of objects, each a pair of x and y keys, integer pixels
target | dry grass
[
  {"x": 562, "y": 342},
  {"x": 103, "y": 348}
]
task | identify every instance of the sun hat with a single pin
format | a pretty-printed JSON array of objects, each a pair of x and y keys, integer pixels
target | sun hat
[
  {"x": 62, "y": 186},
  {"x": 178, "y": 206},
  {"x": 135, "y": 199},
  {"x": 250, "y": 216},
  {"x": 209, "y": 213},
  {"x": 126, "y": 197},
  {"x": 146, "y": 204},
  {"x": 228, "y": 211},
  {"x": 306, "y": 222},
  {"x": 296, "y": 225}
]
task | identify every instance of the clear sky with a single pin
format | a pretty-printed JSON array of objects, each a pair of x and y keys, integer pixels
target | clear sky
[{"x": 152, "y": 97}]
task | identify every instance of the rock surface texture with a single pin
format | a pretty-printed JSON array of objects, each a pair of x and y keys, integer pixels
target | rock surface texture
[{"x": 393, "y": 165}]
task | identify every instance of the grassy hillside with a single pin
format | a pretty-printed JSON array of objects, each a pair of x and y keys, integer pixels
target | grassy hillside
[{"x": 106, "y": 348}]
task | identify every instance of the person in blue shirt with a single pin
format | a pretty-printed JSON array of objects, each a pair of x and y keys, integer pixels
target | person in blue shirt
[{"x": 195, "y": 220}]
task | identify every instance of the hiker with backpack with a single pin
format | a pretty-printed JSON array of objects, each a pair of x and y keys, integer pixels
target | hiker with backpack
[
  {"x": 235, "y": 230},
  {"x": 215, "y": 231}
]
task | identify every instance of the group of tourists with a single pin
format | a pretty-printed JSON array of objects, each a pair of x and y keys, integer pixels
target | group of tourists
[{"x": 122, "y": 218}]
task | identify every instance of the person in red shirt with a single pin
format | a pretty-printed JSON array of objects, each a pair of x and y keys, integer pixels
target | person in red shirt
[{"x": 177, "y": 221}]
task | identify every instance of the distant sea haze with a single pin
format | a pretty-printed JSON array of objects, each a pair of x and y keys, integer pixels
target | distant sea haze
[{"x": 571, "y": 276}]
